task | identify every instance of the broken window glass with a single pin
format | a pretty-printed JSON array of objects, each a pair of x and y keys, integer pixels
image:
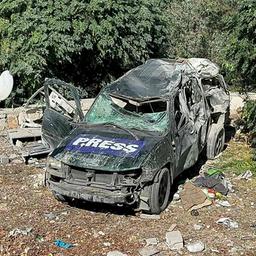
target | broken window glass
[{"x": 148, "y": 116}]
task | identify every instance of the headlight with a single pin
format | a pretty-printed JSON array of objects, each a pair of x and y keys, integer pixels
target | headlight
[{"x": 53, "y": 163}]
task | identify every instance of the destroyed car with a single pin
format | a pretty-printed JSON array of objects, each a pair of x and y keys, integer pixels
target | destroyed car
[{"x": 141, "y": 132}]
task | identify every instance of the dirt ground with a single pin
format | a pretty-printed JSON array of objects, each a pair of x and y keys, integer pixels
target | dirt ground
[{"x": 99, "y": 229}]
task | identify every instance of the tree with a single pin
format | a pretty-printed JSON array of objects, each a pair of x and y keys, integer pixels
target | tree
[
  {"x": 241, "y": 44},
  {"x": 197, "y": 28},
  {"x": 85, "y": 42}
]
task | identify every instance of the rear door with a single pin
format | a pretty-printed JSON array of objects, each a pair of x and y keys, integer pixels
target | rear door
[{"x": 60, "y": 113}]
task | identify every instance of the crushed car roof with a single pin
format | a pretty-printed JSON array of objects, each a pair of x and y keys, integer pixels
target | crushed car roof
[{"x": 157, "y": 77}]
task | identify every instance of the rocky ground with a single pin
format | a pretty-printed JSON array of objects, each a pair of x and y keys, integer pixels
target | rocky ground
[{"x": 31, "y": 219}]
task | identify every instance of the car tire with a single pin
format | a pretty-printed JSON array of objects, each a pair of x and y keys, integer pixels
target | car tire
[
  {"x": 160, "y": 192},
  {"x": 216, "y": 141}
]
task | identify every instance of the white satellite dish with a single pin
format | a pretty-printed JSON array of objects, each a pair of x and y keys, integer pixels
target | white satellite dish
[{"x": 6, "y": 85}]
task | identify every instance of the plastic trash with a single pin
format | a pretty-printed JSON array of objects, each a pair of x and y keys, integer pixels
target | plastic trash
[
  {"x": 62, "y": 244},
  {"x": 227, "y": 222},
  {"x": 223, "y": 203},
  {"x": 246, "y": 175}
]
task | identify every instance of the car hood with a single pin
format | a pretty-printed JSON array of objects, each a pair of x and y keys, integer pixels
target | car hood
[{"x": 105, "y": 148}]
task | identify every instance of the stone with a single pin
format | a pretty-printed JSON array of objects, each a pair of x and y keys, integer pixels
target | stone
[
  {"x": 50, "y": 216},
  {"x": 176, "y": 196},
  {"x": 116, "y": 253},
  {"x": 197, "y": 227},
  {"x": 12, "y": 121},
  {"x": 148, "y": 251},
  {"x": 4, "y": 159},
  {"x": 2, "y": 115},
  {"x": 2, "y": 124},
  {"x": 195, "y": 247},
  {"x": 18, "y": 144},
  {"x": 151, "y": 241},
  {"x": 37, "y": 180},
  {"x": 174, "y": 240},
  {"x": 150, "y": 216}
]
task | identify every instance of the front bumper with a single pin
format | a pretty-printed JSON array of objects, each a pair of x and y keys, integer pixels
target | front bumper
[
  {"x": 88, "y": 193},
  {"x": 94, "y": 186}
]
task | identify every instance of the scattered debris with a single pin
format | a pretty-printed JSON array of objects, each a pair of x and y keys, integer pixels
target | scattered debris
[
  {"x": 50, "y": 216},
  {"x": 37, "y": 180},
  {"x": 148, "y": 251},
  {"x": 116, "y": 253},
  {"x": 228, "y": 222},
  {"x": 195, "y": 247},
  {"x": 216, "y": 181},
  {"x": 107, "y": 244},
  {"x": 253, "y": 225},
  {"x": 191, "y": 196},
  {"x": 152, "y": 241},
  {"x": 223, "y": 203},
  {"x": 198, "y": 227},
  {"x": 29, "y": 141},
  {"x": 246, "y": 175},
  {"x": 20, "y": 231},
  {"x": 150, "y": 216},
  {"x": 63, "y": 245},
  {"x": 174, "y": 240}
]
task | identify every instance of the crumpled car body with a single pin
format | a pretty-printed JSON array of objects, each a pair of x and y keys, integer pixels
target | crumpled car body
[{"x": 141, "y": 132}]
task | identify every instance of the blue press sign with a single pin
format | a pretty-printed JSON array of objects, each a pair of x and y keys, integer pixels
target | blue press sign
[{"x": 88, "y": 143}]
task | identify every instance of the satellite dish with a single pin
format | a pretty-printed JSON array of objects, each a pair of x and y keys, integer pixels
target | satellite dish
[{"x": 6, "y": 85}]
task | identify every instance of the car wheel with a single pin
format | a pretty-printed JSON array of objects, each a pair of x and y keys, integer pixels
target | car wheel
[
  {"x": 160, "y": 192},
  {"x": 216, "y": 141}
]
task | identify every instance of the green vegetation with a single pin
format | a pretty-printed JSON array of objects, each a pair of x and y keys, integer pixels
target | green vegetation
[
  {"x": 240, "y": 51},
  {"x": 90, "y": 43},
  {"x": 85, "y": 42},
  {"x": 237, "y": 158}
]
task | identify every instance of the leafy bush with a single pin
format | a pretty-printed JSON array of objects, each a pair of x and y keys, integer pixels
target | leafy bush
[
  {"x": 84, "y": 42},
  {"x": 240, "y": 48}
]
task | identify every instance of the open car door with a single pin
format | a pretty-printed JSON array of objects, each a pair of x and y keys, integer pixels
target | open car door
[{"x": 60, "y": 114}]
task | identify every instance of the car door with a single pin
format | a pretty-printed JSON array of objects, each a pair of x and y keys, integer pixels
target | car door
[
  {"x": 191, "y": 128},
  {"x": 60, "y": 114},
  {"x": 185, "y": 133}
]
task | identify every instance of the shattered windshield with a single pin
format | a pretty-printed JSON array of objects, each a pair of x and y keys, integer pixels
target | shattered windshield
[{"x": 147, "y": 116}]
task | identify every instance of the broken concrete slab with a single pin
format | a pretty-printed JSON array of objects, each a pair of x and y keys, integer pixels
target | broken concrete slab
[
  {"x": 152, "y": 241},
  {"x": 195, "y": 247},
  {"x": 150, "y": 216},
  {"x": 116, "y": 253},
  {"x": 148, "y": 251},
  {"x": 174, "y": 240}
]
